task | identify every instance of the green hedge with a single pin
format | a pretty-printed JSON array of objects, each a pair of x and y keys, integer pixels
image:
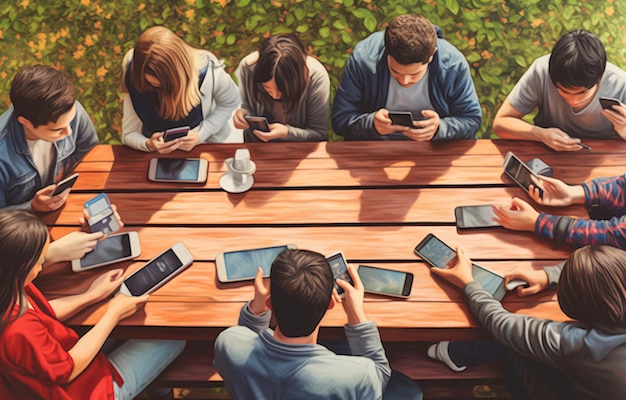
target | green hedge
[{"x": 88, "y": 38}]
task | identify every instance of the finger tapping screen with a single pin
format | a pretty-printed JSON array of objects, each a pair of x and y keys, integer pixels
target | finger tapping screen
[
  {"x": 177, "y": 169},
  {"x": 111, "y": 248},
  {"x": 244, "y": 264}
]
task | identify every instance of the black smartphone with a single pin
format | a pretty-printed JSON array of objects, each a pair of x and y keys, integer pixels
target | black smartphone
[
  {"x": 439, "y": 255},
  {"x": 473, "y": 217},
  {"x": 404, "y": 118},
  {"x": 175, "y": 133},
  {"x": 608, "y": 103},
  {"x": 386, "y": 281},
  {"x": 65, "y": 184},
  {"x": 257, "y": 122},
  {"x": 339, "y": 266},
  {"x": 520, "y": 173}
]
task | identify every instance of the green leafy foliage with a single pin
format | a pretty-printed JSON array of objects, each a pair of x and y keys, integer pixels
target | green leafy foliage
[{"x": 87, "y": 39}]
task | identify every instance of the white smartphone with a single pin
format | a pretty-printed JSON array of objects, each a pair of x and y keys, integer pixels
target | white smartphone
[
  {"x": 520, "y": 173},
  {"x": 339, "y": 266},
  {"x": 187, "y": 170},
  {"x": 65, "y": 184},
  {"x": 101, "y": 215},
  {"x": 241, "y": 265},
  {"x": 112, "y": 249},
  {"x": 438, "y": 254},
  {"x": 158, "y": 271},
  {"x": 387, "y": 282}
]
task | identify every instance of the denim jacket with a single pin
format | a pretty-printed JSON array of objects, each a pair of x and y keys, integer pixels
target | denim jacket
[{"x": 19, "y": 179}]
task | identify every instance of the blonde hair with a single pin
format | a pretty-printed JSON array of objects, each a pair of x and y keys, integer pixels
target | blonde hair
[{"x": 161, "y": 53}]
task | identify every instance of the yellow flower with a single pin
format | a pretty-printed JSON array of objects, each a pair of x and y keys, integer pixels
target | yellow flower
[
  {"x": 276, "y": 3},
  {"x": 141, "y": 7},
  {"x": 536, "y": 22},
  {"x": 84, "y": 2},
  {"x": 610, "y": 11},
  {"x": 24, "y": 3},
  {"x": 101, "y": 71},
  {"x": 189, "y": 14},
  {"x": 79, "y": 53},
  {"x": 221, "y": 2}
]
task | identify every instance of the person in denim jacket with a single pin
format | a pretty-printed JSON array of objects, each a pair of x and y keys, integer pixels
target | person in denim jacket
[{"x": 43, "y": 136}]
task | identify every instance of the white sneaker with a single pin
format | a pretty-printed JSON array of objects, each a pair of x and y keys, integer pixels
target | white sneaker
[{"x": 439, "y": 351}]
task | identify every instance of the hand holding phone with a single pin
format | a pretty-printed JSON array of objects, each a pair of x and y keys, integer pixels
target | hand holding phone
[
  {"x": 403, "y": 118},
  {"x": 112, "y": 249},
  {"x": 258, "y": 122},
  {"x": 520, "y": 173},
  {"x": 607, "y": 103},
  {"x": 65, "y": 184},
  {"x": 175, "y": 133},
  {"x": 101, "y": 215},
  {"x": 339, "y": 266}
]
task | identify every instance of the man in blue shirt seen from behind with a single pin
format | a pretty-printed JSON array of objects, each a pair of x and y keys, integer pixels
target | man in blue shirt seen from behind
[
  {"x": 408, "y": 67},
  {"x": 287, "y": 363},
  {"x": 43, "y": 136}
]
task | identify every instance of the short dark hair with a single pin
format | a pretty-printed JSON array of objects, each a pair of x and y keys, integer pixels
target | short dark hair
[
  {"x": 301, "y": 286},
  {"x": 592, "y": 287},
  {"x": 41, "y": 94},
  {"x": 577, "y": 60},
  {"x": 283, "y": 58},
  {"x": 410, "y": 39},
  {"x": 22, "y": 239}
]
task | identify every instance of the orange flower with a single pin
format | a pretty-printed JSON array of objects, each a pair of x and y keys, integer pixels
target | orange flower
[
  {"x": 189, "y": 14},
  {"x": 84, "y": 2},
  {"x": 117, "y": 49},
  {"x": 88, "y": 41},
  {"x": 141, "y": 7},
  {"x": 24, "y": 3},
  {"x": 101, "y": 71},
  {"x": 536, "y": 22},
  {"x": 80, "y": 73},
  {"x": 486, "y": 54}
]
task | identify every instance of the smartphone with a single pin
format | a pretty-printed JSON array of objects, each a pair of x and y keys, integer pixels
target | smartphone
[
  {"x": 112, "y": 249},
  {"x": 520, "y": 173},
  {"x": 339, "y": 266},
  {"x": 101, "y": 215},
  {"x": 175, "y": 133},
  {"x": 158, "y": 271},
  {"x": 404, "y": 118},
  {"x": 471, "y": 217},
  {"x": 257, "y": 122},
  {"x": 608, "y": 103},
  {"x": 387, "y": 282},
  {"x": 438, "y": 255},
  {"x": 64, "y": 184},
  {"x": 241, "y": 265},
  {"x": 188, "y": 170}
]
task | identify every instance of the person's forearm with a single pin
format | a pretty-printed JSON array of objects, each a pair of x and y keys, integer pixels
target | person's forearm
[
  {"x": 88, "y": 347},
  {"x": 65, "y": 307},
  {"x": 516, "y": 128}
]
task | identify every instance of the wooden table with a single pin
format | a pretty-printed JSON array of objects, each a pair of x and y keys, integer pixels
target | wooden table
[{"x": 373, "y": 200}]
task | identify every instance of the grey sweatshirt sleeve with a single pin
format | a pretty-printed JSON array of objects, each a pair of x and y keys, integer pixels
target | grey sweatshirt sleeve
[
  {"x": 364, "y": 340},
  {"x": 554, "y": 272},
  {"x": 257, "y": 323},
  {"x": 531, "y": 337}
]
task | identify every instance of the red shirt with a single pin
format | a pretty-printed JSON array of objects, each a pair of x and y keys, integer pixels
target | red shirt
[{"x": 35, "y": 363}]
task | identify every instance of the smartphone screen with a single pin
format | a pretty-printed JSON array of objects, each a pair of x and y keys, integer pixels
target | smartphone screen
[
  {"x": 110, "y": 248},
  {"x": 340, "y": 270},
  {"x": 387, "y": 281},
  {"x": 438, "y": 254},
  {"x": 243, "y": 264},
  {"x": 403, "y": 118},
  {"x": 475, "y": 217},
  {"x": 98, "y": 205},
  {"x": 153, "y": 273},
  {"x": 179, "y": 169},
  {"x": 520, "y": 173}
]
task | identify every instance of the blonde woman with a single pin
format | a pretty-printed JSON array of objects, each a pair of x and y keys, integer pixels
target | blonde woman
[{"x": 167, "y": 84}]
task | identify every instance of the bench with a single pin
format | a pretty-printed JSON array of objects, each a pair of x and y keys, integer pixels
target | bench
[{"x": 194, "y": 369}]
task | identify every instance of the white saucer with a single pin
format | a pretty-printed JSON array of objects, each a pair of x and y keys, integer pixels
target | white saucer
[{"x": 227, "y": 183}]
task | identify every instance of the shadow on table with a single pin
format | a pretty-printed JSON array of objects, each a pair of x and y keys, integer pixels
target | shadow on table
[{"x": 405, "y": 165}]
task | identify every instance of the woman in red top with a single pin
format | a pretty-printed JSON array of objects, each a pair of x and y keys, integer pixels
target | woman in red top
[{"x": 40, "y": 358}]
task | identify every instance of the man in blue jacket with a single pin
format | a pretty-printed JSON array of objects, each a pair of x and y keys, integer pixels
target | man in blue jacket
[
  {"x": 43, "y": 136},
  {"x": 408, "y": 67}
]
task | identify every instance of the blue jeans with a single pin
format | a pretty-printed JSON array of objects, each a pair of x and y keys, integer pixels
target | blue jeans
[{"x": 139, "y": 362}]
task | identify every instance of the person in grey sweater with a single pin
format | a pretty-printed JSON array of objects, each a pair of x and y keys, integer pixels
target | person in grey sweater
[
  {"x": 288, "y": 87},
  {"x": 287, "y": 363},
  {"x": 585, "y": 358}
]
